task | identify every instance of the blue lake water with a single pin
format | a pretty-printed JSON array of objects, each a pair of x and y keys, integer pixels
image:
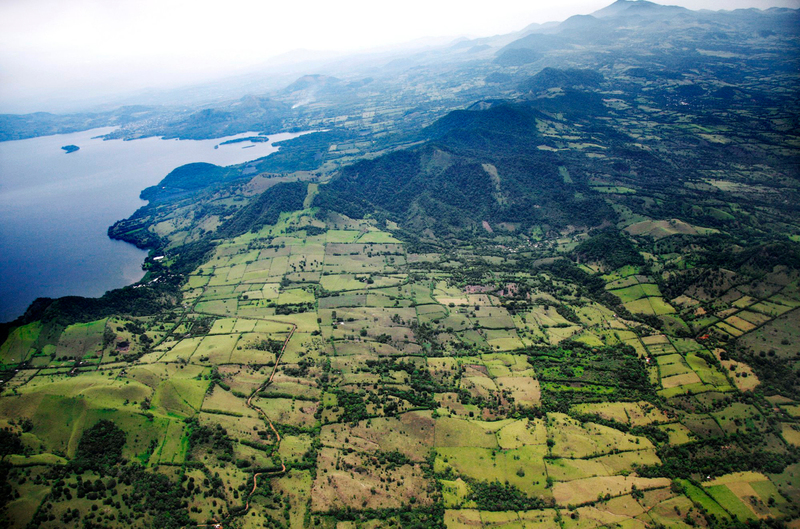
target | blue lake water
[{"x": 55, "y": 208}]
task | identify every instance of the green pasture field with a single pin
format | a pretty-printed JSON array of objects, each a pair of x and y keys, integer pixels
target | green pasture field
[
  {"x": 637, "y": 345},
  {"x": 458, "y": 322},
  {"x": 503, "y": 340},
  {"x": 175, "y": 445},
  {"x": 769, "y": 308},
  {"x": 637, "y": 291},
  {"x": 581, "y": 491},
  {"x": 219, "y": 279},
  {"x": 182, "y": 351},
  {"x": 685, "y": 345},
  {"x": 571, "y": 469},
  {"x": 493, "y": 318},
  {"x": 699, "y": 497},
  {"x": 626, "y": 461},
  {"x": 295, "y": 487},
  {"x": 81, "y": 339},
  {"x": 18, "y": 346},
  {"x": 672, "y": 369},
  {"x": 293, "y": 447},
  {"x": 386, "y": 298},
  {"x": 197, "y": 281},
  {"x": 411, "y": 434},
  {"x": 523, "y": 467},
  {"x": 739, "y": 417},
  {"x": 590, "y": 339},
  {"x": 667, "y": 512},
  {"x": 519, "y": 433},
  {"x": 215, "y": 349},
  {"x": 622, "y": 283},
  {"x": 341, "y": 282},
  {"x": 665, "y": 358},
  {"x": 678, "y": 433},
  {"x": 288, "y": 411},
  {"x": 473, "y": 338},
  {"x": 342, "y": 236},
  {"x": 243, "y": 428},
  {"x": 766, "y": 489},
  {"x": 451, "y": 432},
  {"x": 220, "y": 400},
  {"x": 355, "y": 264},
  {"x": 21, "y": 510},
  {"x": 455, "y": 493},
  {"x": 343, "y": 301},
  {"x": 223, "y": 326},
  {"x": 501, "y": 364},
  {"x": 179, "y": 397},
  {"x": 614, "y": 189},
  {"x": 730, "y": 502},
  {"x": 707, "y": 373},
  {"x": 633, "y": 413},
  {"x": 593, "y": 315},
  {"x": 570, "y": 439},
  {"x": 557, "y": 335},
  {"x": 685, "y": 386},
  {"x": 431, "y": 312},
  {"x": 257, "y": 458},
  {"x": 223, "y": 307},
  {"x": 625, "y": 271},
  {"x": 650, "y": 305}
]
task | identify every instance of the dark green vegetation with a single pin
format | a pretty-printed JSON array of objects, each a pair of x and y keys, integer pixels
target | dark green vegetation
[
  {"x": 100, "y": 446},
  {"x": 265, "y": 209},
  {"x": 482, "y": 165},
  {"x": 610, "y": 248},
  {"x": 186, "y": 179},
  {"x": 70, "y": 148},
  {"x": 571, "y": 300},
  {"x": 554, "y": 78}
]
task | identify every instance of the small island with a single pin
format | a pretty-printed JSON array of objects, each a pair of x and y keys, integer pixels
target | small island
[
  {"x": 251, "y": 139},
  {"x": 70, "y": 148}
]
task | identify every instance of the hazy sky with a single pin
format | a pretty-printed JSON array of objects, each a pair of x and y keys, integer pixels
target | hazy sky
[{"x": 52, "y": 49}]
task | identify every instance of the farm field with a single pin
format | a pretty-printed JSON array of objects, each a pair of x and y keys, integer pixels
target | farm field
[
  {"x": 545, "y": 280},
  {"x": 373, "y": 375}
]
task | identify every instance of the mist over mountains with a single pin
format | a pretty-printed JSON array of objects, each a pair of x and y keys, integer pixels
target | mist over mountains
[{"x": 635, "y": 28}]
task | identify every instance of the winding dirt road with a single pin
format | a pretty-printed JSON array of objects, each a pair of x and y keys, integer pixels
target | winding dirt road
[
  {"x": 262, "y": 387},
  {"x": 252, "y": 406}
]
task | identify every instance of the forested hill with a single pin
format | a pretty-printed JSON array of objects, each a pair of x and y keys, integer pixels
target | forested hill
[
  {"x": 476, "y": 166},
  {"x": 186, "y": 179}
]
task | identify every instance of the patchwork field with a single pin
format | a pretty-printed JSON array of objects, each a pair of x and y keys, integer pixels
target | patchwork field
[{"x": 593, "y": 349}]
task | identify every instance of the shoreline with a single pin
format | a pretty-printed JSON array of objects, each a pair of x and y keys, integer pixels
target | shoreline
[{"x": 83, "y": 271}]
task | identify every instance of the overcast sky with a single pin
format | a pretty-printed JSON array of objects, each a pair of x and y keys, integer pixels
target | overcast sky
[{"x": 57, "y": 47}]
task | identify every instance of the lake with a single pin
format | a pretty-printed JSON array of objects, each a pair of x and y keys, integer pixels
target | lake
[{"x": 55, "y": 208}]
